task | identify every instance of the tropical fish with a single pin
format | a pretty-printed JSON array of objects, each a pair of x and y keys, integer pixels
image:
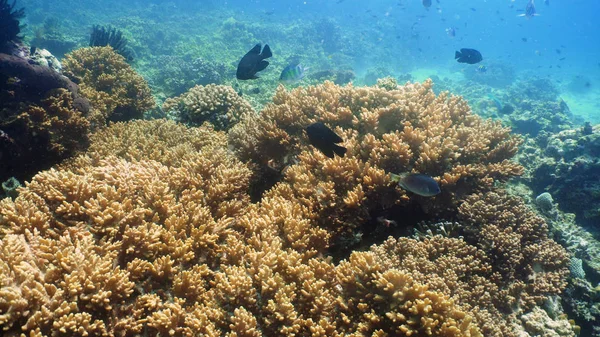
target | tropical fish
[
  {"x": 451, "y": 31},
  {"x": 253, "y": 62},
  {"x": 427, "y": 3},
  {"x": 529, "y": 10},
  {"x": 292, "y": 73},
  {"x": 324, "y": 139},
  {"x": 481, "y": 69},
  {"x": 417, "y": 183},
  {"x": 466, "y": 55}
]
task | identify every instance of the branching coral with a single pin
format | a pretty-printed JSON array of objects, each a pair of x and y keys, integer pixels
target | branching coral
[
  {"x": 152, "y": 231},
  {"x": 114, "y": 89},
  {"x": 218, "y": 104},
  {"x": 408, "y": 129},
  {"x": 132, "y": 247},
  {"x": 531, "y": 265},
  {"x": 41, "y": 135}
]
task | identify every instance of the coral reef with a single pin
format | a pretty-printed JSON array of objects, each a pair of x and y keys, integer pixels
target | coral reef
[
  {"x": 165, "y": 249},
  {"x": 152, "y": 230},
  {"x": 500, "y": 271},
  {"x": 339, "y": 77},
  {"x": 114, "y": 89},
  {"x": 174, "y": 75},
  {"x": 408, "y": 129},
  {"x": 497, "y": 74},
  {"x": 50, "y": 35},
  {"x": 219, "y": 105},
  {"x": 566, "y": 165},
  {"x": 40, "y": 135}
]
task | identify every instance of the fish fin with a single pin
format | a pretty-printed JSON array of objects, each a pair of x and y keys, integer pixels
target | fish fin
[
  {"x": 266, "y": 52},
  {"x": 262, "y": 65},
  {"x": 395, "y": 177},
  {"x": 327, "y": 152},
  {"x": 457, "y": 54},
  {"x": 255, "y": 50},
  {"x": 339, "y": 150}
]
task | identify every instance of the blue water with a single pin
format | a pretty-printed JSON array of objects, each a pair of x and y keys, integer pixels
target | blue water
[{"x": 397, "y": 36}]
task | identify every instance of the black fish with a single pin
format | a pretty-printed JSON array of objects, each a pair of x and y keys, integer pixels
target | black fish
[
  {"x": 253, "y": 62},
  {"x": 466, "y": 55},
  {"x": 427, "y": 3},
  {"x": 324, "y": 139}
]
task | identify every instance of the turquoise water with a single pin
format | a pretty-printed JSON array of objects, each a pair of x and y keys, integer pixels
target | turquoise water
[{"x": 387, "y": 38}]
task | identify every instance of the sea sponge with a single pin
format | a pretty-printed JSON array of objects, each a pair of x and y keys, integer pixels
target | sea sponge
[
  {"x": 115, "y": 90},
  {"x": 219, "y": 105}
]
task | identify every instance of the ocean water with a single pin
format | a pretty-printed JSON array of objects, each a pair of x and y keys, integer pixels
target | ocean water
[
  {"x": 394, "y": 37},
  {"x": 539, "y": 75}
]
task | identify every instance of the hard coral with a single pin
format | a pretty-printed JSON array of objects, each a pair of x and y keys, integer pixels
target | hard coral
[
  {"x": 115, "y": 90},
  {"x": 219, "y": 105},
  {"x": 531, "y": 266},
  {"x": 132, "y": 247},
  {"x": 40, "y": 135},
  {"x": 408, "y": 129}
]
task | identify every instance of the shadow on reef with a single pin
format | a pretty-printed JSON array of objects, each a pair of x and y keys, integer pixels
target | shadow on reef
[
  {"x": 42, "y": 117},
  {"x": 397, "y": 221}
]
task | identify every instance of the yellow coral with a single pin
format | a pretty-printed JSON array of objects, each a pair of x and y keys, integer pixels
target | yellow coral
[
  {"x": 406, "y": 129},
  {"x": 115, "y": 90},
  {"x": 219, "y": 105}
]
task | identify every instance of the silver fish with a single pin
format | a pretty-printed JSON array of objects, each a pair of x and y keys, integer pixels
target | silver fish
[
  {"x": 417, "y": 183},
  {"x": 530, "y": 10}
]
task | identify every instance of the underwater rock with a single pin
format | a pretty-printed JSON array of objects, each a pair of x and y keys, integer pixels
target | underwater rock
[
  {"x": 44, "y": 58},
  {"x": 538, "y": 323}
]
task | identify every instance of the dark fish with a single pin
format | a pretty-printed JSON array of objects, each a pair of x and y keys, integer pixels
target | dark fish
[
  {"x": 529, "y": 10},
  {"x": 558, "y": 51},
  {"x": 324, "y": 139},
  {"x": 524, "y": 39},
  {"x": 417, "y": 183},
  {"x": 473, "y": 9},
  {"x": 427, "y": 3},
  {"x": 253, "y": 62},
  {"x": 547, "y": 2},
  {"x": 466, "y": 55},
  {"x": 562, "y": 58}
]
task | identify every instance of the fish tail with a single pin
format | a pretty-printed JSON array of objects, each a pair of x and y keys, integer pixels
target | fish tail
[
  {"x": 266, "y": 52},
  {"x": 395, "y": 177},
  {"x": 456, "y": 54},
  {"x": 339, "y": 150}
]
